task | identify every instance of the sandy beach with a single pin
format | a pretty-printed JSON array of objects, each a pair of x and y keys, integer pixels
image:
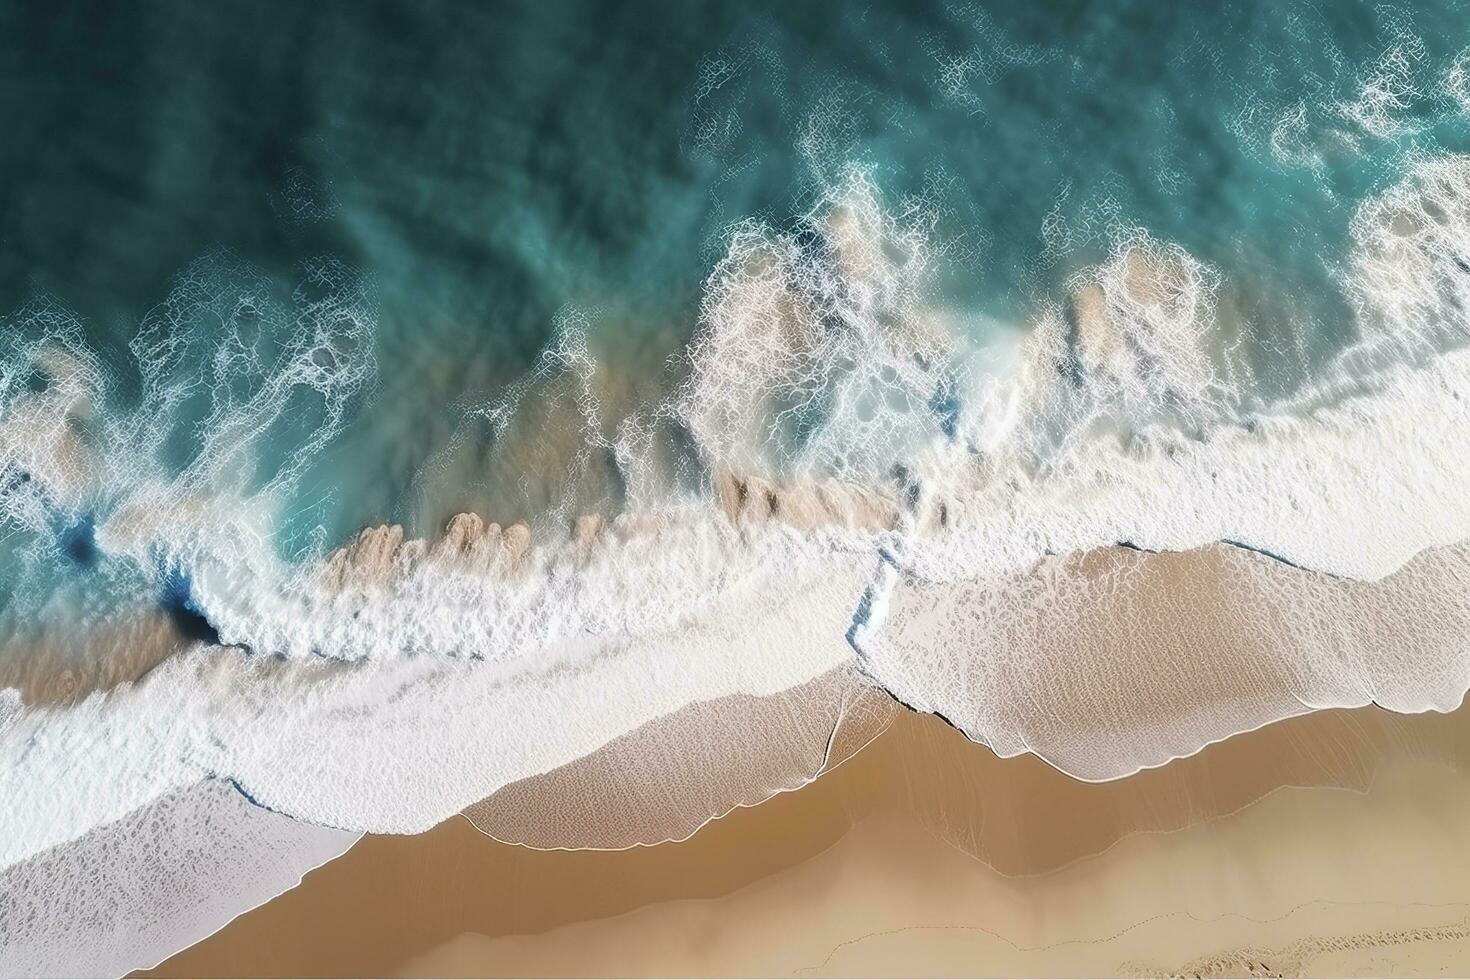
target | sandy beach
[{"x": 1329, "y": 844}]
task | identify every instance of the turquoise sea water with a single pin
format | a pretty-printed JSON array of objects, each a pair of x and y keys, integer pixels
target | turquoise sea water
[{"x": 485, "y": 168}]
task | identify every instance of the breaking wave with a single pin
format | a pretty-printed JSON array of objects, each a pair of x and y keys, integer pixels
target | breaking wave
[{"x": 871, "y": 486}]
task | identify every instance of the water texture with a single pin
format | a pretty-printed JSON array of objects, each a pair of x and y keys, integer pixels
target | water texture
[{"x": 397, "y": 402}]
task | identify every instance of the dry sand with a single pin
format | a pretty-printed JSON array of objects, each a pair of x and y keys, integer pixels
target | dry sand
[{"x": 927, "y": 855}]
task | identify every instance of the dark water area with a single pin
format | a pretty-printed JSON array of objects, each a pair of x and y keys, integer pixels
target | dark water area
[{"x": 488, "y": 170}]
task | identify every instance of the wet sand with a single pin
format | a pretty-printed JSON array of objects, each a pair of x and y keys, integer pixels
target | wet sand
[
  {"x": 890, "y": 900},
  {"x": 1331, "y": 843}
]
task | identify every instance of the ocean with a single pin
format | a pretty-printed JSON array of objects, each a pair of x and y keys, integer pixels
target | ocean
[{"x": 401, "y": 401}]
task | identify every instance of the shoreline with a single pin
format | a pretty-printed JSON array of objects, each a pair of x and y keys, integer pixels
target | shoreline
[{"x": 394, "y": 900}]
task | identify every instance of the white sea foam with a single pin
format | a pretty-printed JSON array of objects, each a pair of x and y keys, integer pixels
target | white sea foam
[
  {"x": 899, "y": 486},
  {"x": 1354, "y": 475},
  {"x": 162, "y": 878},
  {"x": 400, "y": 743},
  {"x": 43, "y": 451}
]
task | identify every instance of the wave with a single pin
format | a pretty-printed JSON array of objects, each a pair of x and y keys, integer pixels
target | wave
[
  {"x": 845, "y": 476},
  {"x": 129, "y": 894}
]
